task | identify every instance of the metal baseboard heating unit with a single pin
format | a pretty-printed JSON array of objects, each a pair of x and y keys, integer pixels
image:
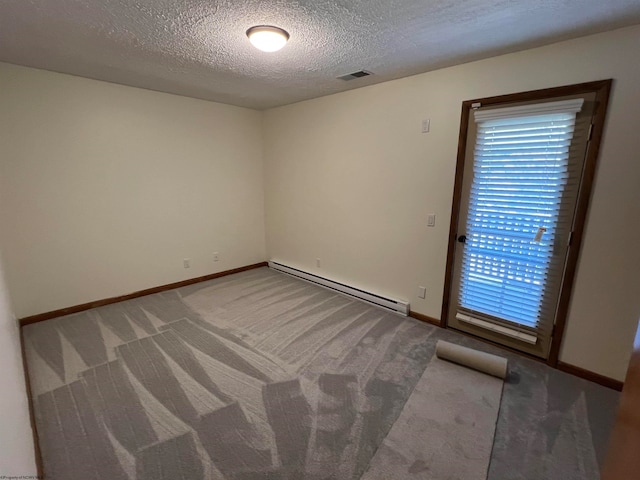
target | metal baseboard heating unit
[{"x": 395, "y": 306}]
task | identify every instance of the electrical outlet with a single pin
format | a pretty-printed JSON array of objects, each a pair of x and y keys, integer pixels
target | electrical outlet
[
  {"x": 186, "y": 263},
  {"x": 216, "y": 256},
  {"x": 422, "y": 292},
  {"x": 318, "y": 262}
]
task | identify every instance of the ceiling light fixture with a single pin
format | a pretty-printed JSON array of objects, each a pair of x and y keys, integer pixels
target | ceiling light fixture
[{"x": 267, "y": 38}]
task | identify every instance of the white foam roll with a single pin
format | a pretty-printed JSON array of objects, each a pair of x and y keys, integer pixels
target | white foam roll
[{"x": 468, "y": 357}]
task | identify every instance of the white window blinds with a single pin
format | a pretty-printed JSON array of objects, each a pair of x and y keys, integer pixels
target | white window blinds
[{"x": 520, "y": 214}]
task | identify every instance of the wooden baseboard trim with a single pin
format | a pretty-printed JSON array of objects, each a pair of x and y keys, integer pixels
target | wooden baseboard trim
[
  {"x": 86, "y": 306},
  {"x": 32, "y": 418},
  {"x": 425, "y": 318},
  {"x": 564, "y": 367},
  {"x": 591, "y": 376},
  {"x": 149, "y": 291}
]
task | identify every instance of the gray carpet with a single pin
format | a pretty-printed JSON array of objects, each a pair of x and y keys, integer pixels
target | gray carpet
[
  {"x": 445, "y": 430},
  {"x": 262, "y": 376}
]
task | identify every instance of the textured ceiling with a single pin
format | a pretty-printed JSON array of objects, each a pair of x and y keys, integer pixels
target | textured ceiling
[{"x": 198, "y": 48}]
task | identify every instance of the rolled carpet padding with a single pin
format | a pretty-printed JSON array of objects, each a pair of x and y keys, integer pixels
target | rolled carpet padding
[{"x": 468, "y": 357}]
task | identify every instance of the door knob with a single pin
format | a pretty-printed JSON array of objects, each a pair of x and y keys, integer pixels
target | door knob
[{"x": 462, "y": 238}]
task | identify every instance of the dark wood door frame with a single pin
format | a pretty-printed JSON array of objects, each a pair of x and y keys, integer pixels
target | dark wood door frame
[{"x": 602, "y": 89}]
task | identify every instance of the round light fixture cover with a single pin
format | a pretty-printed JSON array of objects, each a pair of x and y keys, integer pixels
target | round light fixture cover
[{"x": 267, "y": 38}]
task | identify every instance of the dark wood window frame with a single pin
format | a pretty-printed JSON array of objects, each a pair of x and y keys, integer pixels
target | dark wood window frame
[{"x": 602, "y": 89}]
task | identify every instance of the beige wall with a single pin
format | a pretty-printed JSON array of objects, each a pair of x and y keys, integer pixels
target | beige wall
[
  {"x": 350, "y": 179},
  {"x": 16, "y": 438},
  {"x": 104, "y": 189}
]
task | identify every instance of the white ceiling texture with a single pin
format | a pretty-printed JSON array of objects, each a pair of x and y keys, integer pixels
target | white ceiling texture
[{"x": 198, "y": 48}]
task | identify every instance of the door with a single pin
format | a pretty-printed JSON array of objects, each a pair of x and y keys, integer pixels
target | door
[
  {"x": 522, "y": 180},
  {"x": 622, "y": 461}
]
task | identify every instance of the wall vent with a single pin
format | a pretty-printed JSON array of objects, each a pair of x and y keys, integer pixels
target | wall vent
[
  {"x": 354, "y": 75},
  {"x": 396, "y": 306}
]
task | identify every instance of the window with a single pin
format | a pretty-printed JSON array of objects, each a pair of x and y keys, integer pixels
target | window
[{"x": 520, "y": 186}]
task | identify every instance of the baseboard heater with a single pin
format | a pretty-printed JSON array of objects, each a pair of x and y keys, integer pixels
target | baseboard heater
[{"x": 396, "y": 306}]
